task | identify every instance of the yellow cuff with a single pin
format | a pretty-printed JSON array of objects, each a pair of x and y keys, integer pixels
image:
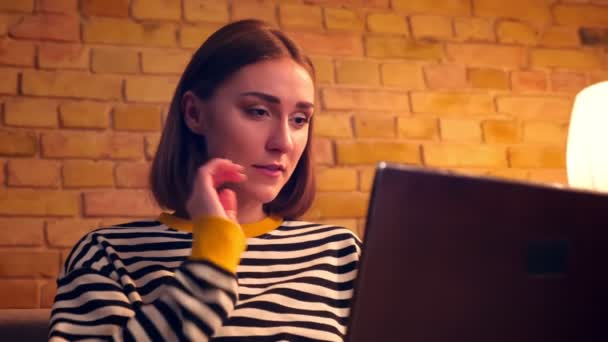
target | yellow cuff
[{"x": 218, "y": 240}]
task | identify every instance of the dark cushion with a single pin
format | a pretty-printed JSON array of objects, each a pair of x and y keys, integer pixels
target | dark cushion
[{"x": 24, "y": 324}]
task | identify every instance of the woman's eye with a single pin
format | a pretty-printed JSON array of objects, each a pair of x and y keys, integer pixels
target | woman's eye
[
  {"x": 257, "y": 112},
  {"x": 300, "y": 120}
]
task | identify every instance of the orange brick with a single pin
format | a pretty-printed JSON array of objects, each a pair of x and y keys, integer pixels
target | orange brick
[
  {"x": 21, "y": 5},
  {"x": 84, "y": 114},
  {"x": 114, "y": 60},
  {"x": 545, "y": 133},
  {"x": 88, "y": 174},
  {"x": 337, "y": 179},
  {"x": 324, "y": 69},
  {"x": 27, "y": 202},
  {"x": 397, "y": 47},
  {"x": 91, "y": 145},
  {"x": 48, "y": 26},
  {"x": 342, "y": 19},
  {"x": 151, "y": 144},
  {"x": 488, "y": 78},
  {"x": 263, "y": 10},
  {"x": 572, "y": 59},
  {"x": 71, "y": 84},
  {"x": 528, "y": 81},
  {"x": 157, "y": 89},
  {"x": 500, "y": 132},
  {"x": 127, "y": 203},
  {"x": 157, "y": 9},
  {"x": 418, "y": 128},
  {"x": 17, "y": 143},
  {"x": 568, "y": 82},
  {"x": 445, "y": 76},
  {"x": 66, "y": 232},
  {"x": 366, "y": 178},
  {"x": 368, "y": 152},
  {"x": 332, "y": 44},
  {"x": 513, "y": 174},
  {"x": 57, "y": 6},
  {"x": 597, "y": 76},
  {"x": 16, "y": 53},
  {"x": 28, "y": 263},
  {"x": 132, "y": 175},
  {"x": 206, "y": 10},
  {"x": 537, "y": 157},
  {"x": 27, "y": 172},
  {"x": 340, "y": 204},
  {"x": 63, "y": 56},
  {"x": 333, "y": 126},
  {"x": 21, "y": 232},
  {"x": 2, "y": 173},
  {"x": 334, "y": 98},
  {"x": 109, "y": 8},
  {"x": 474, "y": 29},
  {"x": 536, "y": 107},
  {"x": 460, "y": 130},
  {"x": 47, "y": 293},
  {"x": 375, "y": 127},
  {"x": 9, "y": 81},
  {"x": 560, "y": 36},
  {"x": 438, "y": 7},
  {"x": 165, "y": 62},
  {"x": 403, "y": 75},
  {"x": 194, "y": 36},
  {"x": 323, "y": 151},
  {"x": 7, "y": 20},
  {"x": 358, "y": 72},
  {"x": 530, "y": 11},
  {"x": 461, "y": 155},
  {"x": 126, "y": 32},
  {"x": 452, "y": 103},
  {"x": 587, "y": 15},
  {"x": 18, "y": 293},
  {"x": 549, "y": 176},
  {"x": 387, "y": 23},
  {"x": 431, "y": 27},
  {"x": 488, "y": 55},
  {"x": 294, "y": 16},
  {"x": 137, "y": 117},
  {"x": 27, "y": 112},
  {"x": 516, "y": 33}
]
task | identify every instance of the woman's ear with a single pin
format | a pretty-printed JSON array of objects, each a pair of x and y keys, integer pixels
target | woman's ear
[{"x": 193, "y": 113}]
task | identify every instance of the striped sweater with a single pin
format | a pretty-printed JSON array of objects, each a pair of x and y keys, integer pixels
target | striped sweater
[{"x": 174, "y": 280}]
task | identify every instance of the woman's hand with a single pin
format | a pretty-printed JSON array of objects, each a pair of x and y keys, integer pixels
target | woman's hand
[{"x": 208, "y": 197}]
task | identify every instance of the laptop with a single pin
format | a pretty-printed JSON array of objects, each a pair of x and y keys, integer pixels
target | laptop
[{"x": 451, "y": 257}]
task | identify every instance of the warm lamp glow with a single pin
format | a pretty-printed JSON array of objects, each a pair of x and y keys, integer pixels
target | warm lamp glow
[{"x": 587, "y": 153}]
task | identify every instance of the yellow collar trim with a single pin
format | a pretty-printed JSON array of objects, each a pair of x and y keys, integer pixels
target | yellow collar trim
[{"x": 250, "y": 229}]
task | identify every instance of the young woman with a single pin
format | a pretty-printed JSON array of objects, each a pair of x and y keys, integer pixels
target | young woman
[{"x": 234, "y": 166}]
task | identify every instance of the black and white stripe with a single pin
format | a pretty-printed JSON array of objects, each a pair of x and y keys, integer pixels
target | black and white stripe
[{"x": 135, "y": 282}]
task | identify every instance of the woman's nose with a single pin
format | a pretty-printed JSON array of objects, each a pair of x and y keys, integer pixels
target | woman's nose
[{"x": 280, "y": 138}]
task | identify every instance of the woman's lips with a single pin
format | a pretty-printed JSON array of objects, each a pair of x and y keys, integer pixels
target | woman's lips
[{"x": 269, "y": 170}]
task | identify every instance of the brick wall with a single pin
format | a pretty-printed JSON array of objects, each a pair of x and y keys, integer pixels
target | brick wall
[{"x": 480, "y": 86}]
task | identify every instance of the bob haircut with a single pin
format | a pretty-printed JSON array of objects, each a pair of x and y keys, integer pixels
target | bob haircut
[{"x": 181, "y": 152}]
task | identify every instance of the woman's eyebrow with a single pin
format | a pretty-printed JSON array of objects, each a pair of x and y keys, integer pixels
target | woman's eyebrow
[{"x": 274, "y": 99}]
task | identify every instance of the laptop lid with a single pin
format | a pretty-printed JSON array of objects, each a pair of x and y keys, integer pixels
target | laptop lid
[{"x": 459, "y": 258}]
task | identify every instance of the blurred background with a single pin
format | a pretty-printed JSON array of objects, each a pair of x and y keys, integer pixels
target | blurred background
[{"x": 478, "y": 86}]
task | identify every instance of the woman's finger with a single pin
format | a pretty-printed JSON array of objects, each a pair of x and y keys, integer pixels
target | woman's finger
[
  {"x": 227, "y": 198},
  {"x": 223, "y": 171}
]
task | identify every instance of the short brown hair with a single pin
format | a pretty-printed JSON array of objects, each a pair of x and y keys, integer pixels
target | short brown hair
[{"x": 181, "y": 152}]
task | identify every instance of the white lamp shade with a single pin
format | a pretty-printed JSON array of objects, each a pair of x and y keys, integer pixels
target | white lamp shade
[{"x": 587, "y": 150}]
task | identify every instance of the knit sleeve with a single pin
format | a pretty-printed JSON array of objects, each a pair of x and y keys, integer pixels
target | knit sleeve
[{"x": 97, "y": 302}]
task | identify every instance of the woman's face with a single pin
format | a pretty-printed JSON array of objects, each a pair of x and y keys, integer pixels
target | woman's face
[{"x": 259, "y": 118}]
